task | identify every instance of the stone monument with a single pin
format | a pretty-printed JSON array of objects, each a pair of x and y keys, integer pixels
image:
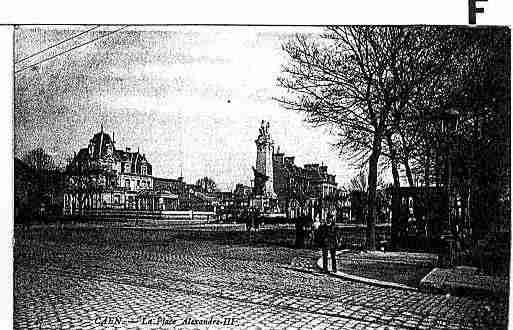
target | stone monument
[{"x": 264, "y": 197}]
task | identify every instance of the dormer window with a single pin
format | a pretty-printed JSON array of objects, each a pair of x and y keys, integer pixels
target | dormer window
[
  {"x": 126, "y": 168},
  {"x": 143, "y": 170}
]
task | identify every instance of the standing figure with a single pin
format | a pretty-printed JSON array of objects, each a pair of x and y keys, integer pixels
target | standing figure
[
  {"x": 322, "y": 241},
  {"x": 300, "y": 232},
  {"x": 332, "y": 241}
]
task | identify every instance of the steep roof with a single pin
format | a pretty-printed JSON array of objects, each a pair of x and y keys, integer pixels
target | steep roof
[
  {"x": 135, "y": 159},
  {"x": 101, "y": 141}
]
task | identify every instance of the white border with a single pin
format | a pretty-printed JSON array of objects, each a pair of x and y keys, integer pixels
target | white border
[
  {"x": 6, "y": 177},
  {"x": 284, "y": 12},
  {"x": 295, "y": 12}
]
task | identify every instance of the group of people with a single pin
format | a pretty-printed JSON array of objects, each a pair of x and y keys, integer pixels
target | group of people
[{"x": 321, "y": 234}]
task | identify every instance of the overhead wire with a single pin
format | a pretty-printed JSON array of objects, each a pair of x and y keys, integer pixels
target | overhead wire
[
  {"x": 71, "y": 49},
  {"x": 57, "y": 44}
]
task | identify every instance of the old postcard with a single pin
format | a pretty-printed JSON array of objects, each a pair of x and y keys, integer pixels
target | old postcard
[{"x": 261, "y": 176}]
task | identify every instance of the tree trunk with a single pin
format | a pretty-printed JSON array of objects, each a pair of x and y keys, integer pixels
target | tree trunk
[
  {"x": 395, "y": 194},
  {"x": 393, "y": 160},
  {"x": 371, "y": 198},
  {"x": 408, "y": 172}
]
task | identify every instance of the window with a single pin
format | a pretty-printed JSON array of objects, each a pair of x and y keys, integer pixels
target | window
[
  {"x": 127, "y": 183},
  {"x": 117, "y": 199},
  {"x": 138, "y": 183},
  {"x": 126, "y": 167},
  {"x": 143, "y": 170}
]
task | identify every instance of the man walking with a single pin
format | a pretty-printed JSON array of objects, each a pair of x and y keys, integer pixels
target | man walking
[{"x": 331, "y": 236}]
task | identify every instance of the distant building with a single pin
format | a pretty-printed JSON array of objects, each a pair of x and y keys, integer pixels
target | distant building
[
  {"x": 242, "y": 192},
  {"x": 291, "y": 188},
  {"x": 101, "y": 176},
  {"x": 224, "y": 199},
  {"x": 172, "y": 192},
  {"x": 302, "y": 187}
]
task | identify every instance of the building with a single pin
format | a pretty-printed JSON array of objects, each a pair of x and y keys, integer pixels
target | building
[
  {"x": 171, "y": 191},
  {"x": 101, "y": 176},
  {"x": 291, "y": 188},
  {"x": 242, "y": 193},
  {"x": 304, "y": 188}
]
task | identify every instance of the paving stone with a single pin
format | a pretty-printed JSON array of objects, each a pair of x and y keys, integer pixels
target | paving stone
[{"x": 73, "y": 284}]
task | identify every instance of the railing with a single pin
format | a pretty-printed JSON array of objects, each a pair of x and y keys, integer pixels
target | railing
[{"x": 124, "y": 214}]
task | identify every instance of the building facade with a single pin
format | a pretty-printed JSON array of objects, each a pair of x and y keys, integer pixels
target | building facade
[
  {"x": 103, "y": 177},
  {"x": 304, "y": 189}
]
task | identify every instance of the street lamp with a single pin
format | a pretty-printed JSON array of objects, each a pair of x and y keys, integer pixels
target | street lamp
[
  {"x": 449, "y": 126},
  {"x": 449, "y": 120}
]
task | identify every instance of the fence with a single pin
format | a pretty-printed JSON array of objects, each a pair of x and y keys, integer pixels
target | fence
[
  {"x": 355, "y": 236},
  {"x": 161, "y": 216}
]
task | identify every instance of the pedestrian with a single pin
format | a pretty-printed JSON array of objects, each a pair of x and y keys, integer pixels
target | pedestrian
[
  {"x": 309, "y": 232},
  {"x": 300, "y": 224},
  {"x": 321, "y": 239},
  {"x": 300, "y": 232},
  {"x": 331, "y": 236},
  {"x": 248, "y": 219}
]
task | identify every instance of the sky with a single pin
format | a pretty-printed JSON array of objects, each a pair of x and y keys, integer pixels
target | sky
[{"x": 191, "y": 98}]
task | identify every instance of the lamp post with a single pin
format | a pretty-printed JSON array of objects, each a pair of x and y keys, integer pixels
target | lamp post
[
  {"x": 449, "y": 120},
  {"x": 449, "y": 127}
]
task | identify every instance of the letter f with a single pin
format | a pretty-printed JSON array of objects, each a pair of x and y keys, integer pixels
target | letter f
[{"x": 473, "y": 10}]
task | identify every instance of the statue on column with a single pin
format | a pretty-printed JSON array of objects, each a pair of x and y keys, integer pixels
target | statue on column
[{"x": 262, "y": 129}]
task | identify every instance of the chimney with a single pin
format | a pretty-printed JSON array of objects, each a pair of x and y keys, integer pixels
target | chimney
[{"x": 289, "y": 160}]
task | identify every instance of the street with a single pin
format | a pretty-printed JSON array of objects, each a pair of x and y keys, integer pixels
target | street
[{"x": 71, "y": 280}]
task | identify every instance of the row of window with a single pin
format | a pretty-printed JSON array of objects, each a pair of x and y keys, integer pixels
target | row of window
[
  {"x": 125, "y": 168},
  {"x": 139, "y": 183}
]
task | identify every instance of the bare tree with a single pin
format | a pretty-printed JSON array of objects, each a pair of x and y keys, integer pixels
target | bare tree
[
  {"x": 359, "y": 182},
  {"x": 39, "y": 160},
  {"x": 347, "y": 80},
  {"x": 367, "y": 82}
]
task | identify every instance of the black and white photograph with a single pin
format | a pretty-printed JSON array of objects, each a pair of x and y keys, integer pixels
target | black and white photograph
[{"x": 261, "y": 176}]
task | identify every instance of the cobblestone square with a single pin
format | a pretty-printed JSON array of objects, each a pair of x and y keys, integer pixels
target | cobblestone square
[{"x": 63, "y": 279}]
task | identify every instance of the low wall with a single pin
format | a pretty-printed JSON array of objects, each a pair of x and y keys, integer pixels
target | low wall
[
  {"x": 123, "y": 215},
  {"x": 356, "y": 235}
]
